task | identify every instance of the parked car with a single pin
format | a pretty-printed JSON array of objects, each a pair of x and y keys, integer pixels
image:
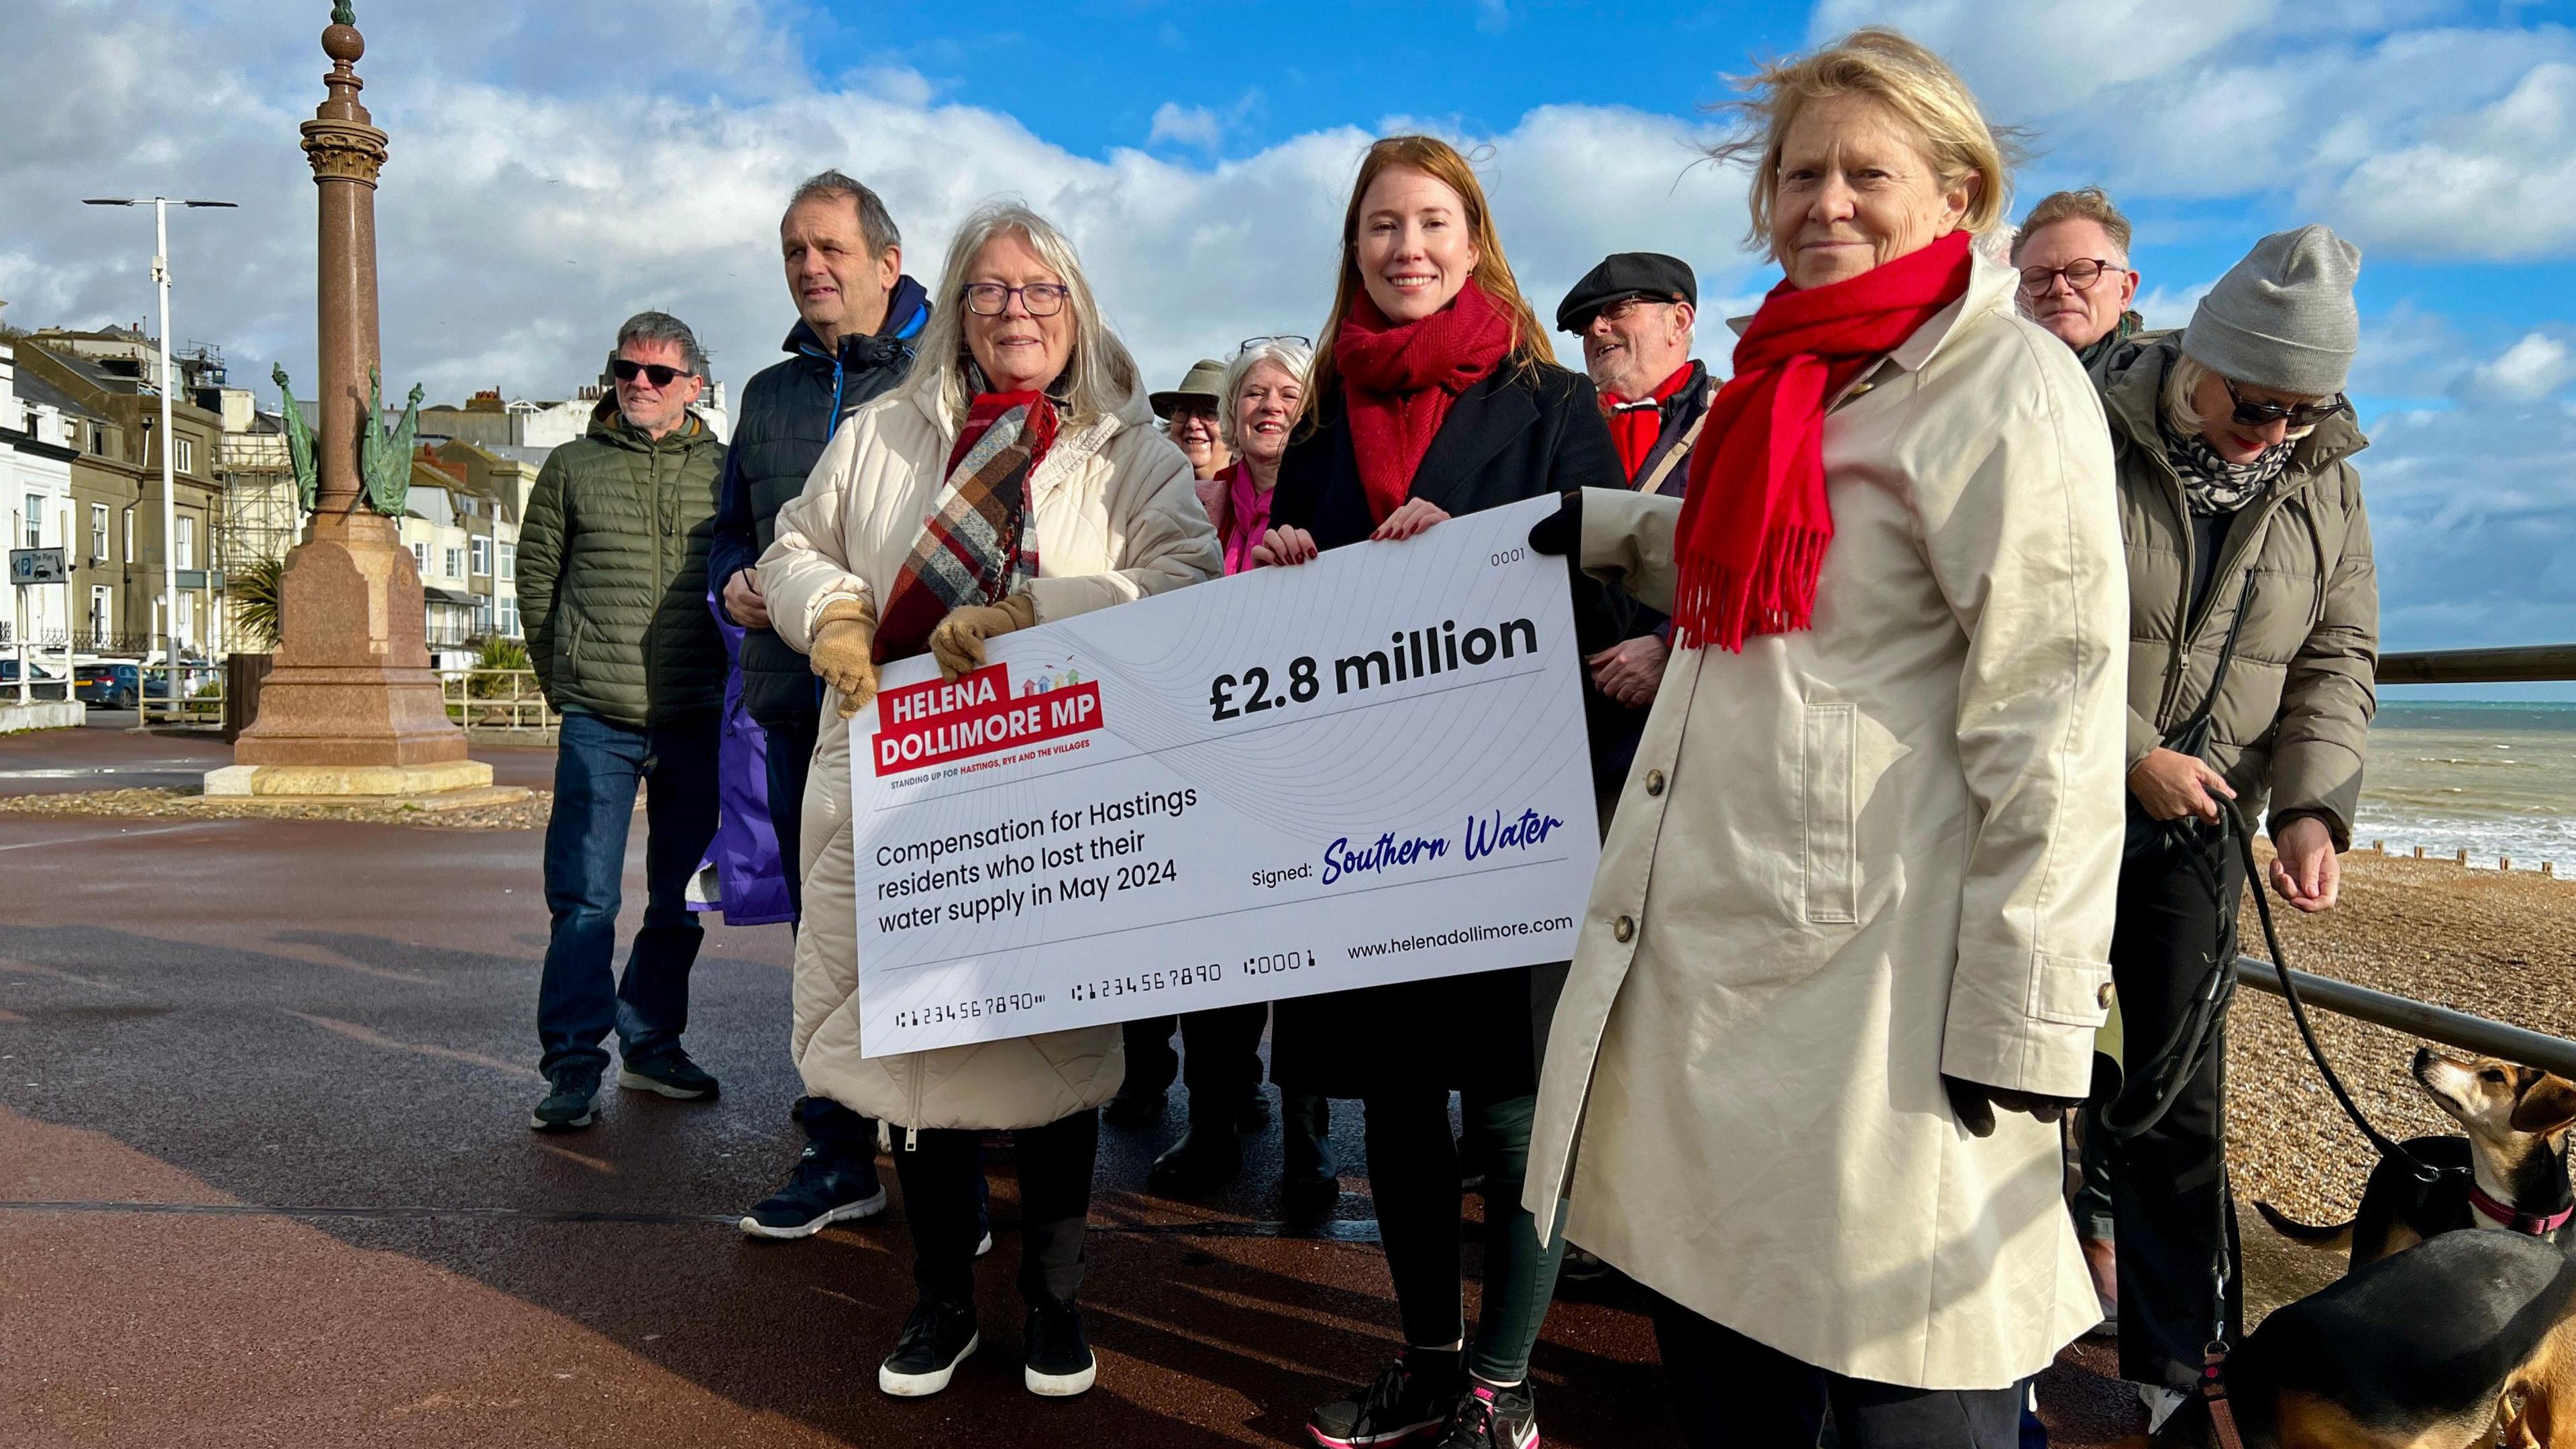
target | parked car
[
  {"x": 42, "y": 682},
  {"x": 120, "y": 686}
]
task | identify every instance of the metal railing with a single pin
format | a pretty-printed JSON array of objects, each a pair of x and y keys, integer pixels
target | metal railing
[
  {"x": 2534, "y": 664},
  {"x": 497, "y": 699},
  {"x": 194, "y": 700}
]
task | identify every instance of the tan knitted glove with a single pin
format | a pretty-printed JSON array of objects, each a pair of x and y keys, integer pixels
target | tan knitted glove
[
  {"x": 958, "y": 642},
  {"x": 843, "y": 639}
]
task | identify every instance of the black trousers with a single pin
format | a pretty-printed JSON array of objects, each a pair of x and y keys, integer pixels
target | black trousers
[
  {"x": 1730, "y": 1392},
  {"x": 2169, "y": 1191},
  {"x": 828, "y": 1125},
  {"x": 940, "y": 1170},
  {"x": 1220, "y": 1060}
]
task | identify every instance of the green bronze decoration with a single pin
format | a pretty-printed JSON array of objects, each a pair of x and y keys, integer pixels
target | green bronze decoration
[
  {"x": 299, "y": 442},
  {"x": 344, "y": 14},
  {"x": 384, "y": 457}
]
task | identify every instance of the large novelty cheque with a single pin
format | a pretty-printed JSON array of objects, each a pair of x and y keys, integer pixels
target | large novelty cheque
[{"x": 1368, "y": 768}]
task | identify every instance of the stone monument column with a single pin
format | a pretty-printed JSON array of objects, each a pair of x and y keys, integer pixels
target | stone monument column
[{"x": 350, "y": 705}]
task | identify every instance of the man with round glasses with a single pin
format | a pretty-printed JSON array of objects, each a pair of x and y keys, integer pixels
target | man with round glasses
[{"x": 2073, "y": 254}]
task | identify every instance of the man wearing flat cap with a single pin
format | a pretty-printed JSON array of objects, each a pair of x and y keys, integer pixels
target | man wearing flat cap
[
  {"x": 1190, "y": 412},
  {"x": 1634, "y": 314}
]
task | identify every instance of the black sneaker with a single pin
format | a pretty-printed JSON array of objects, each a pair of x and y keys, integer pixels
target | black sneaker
[
  {"x": 1579, "y": 1268},
  {"x": 822, "y": 1191},
  {"x": 1492, "y": 1418},
  {"x": 936, "y": 1339},
  {"x": 1133, "y": 1109},
  {"x": 1254, "y": 1113},
  {"x": 1412, "y": 1396},
  {"x": 1058, "y": 1357},
  {"x": 670, "y": 1073},
  {"x": 566, "y": 1107},
  {"x": 1207, "y": 1157}
]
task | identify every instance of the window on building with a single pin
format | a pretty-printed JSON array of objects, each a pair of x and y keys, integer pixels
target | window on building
[
  {"x": 455, "y": 561},
  {"x": 98, "y": 439},
  {"x": 509, "y": 562},
  {"x": 35, "y": 521},
  {"x": 420, "y": 557},
  {"x": 184, "y": 458},
  {"x": 482, "y": 548},
  {"x": 187, "y": 543},
  {"x": 101, "y": 612},
  {"x": 98, "y": 532},
  {"x": 129, "y": 535},
  {"x": 510, "y": 615}
]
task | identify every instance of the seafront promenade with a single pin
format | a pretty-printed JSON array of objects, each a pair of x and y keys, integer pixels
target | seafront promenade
[{"x": 264, "y": 1175}]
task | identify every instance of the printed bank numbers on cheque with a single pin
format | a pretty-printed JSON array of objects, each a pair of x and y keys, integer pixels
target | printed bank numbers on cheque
[{"x": 1365, "y": 769}]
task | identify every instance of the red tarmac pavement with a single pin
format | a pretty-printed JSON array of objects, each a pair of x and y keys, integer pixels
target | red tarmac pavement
[{"x": 265, "y": 1178}]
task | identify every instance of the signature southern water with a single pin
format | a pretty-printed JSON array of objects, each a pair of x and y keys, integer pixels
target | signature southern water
[{"x": 2491, "y": 779}]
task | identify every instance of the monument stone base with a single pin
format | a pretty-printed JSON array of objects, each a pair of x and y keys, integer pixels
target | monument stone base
[{"x": 339, "y": 780}]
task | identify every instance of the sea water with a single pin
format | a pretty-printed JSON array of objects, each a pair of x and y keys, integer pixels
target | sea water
[{"x": 2492, "y": 779}]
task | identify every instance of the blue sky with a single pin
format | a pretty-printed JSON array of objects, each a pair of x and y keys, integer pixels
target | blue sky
[{"x": 558, "y": 165}]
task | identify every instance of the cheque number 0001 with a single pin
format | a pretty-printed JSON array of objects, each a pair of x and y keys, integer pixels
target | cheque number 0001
[{"x": 1303, "y": 685}]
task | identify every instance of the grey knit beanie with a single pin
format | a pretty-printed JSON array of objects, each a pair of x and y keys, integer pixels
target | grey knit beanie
[{"x": 2282, "y": 318}]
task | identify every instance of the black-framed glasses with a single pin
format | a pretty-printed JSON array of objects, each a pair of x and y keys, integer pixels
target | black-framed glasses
[
  {"x": 627, "y": 371},
  {"x": 2297, "y": 415},
  {"x": 2080, "y": 273},
  {"x": 992, "y": 299},
  {"x": 1249, "y": 343}
]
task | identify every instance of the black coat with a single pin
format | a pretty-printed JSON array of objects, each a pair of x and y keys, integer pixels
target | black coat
[
  {"x": 786, "y": 418},
  {"x": 1519, "y": 434}
]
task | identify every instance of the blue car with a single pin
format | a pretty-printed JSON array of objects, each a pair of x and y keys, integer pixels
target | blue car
[
  {"x": 42, "y": 683},
  {"x": 119, "y": 686}
]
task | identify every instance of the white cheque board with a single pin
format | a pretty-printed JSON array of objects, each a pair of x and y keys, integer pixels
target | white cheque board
[{"x": 1369, "y": 768}]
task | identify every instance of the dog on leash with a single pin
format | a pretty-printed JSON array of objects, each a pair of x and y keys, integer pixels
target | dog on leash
[
  {"x": 2509, "y": 1172},
  {"x": 2466, "y": 1341}
]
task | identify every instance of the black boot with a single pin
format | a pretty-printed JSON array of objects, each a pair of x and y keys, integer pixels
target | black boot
[
  {"x": 1309, "y": 1180},
  {"x": 1206, "y": 1158}
]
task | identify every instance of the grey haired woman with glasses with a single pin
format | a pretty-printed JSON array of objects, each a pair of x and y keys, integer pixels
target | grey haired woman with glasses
[{"x": 2254, "y": 635}]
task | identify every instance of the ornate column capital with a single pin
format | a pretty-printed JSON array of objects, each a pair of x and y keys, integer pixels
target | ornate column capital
[{"x": 344, "y": 151}]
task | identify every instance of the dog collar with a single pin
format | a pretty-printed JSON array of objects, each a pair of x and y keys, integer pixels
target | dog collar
[{"x": 2535, "y": 1224}]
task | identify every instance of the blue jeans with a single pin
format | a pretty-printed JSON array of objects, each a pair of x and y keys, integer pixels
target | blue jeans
[{"x": 598, "y": 764}]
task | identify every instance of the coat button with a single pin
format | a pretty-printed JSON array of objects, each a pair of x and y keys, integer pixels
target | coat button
[
  {"x": 1623, "y": 929},
  {"x": 1654, "y": 782},
  {"x": 2102, "y": 998}
]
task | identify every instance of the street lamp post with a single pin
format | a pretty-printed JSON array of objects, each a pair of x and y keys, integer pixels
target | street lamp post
[{"x": 168, "y": 383}]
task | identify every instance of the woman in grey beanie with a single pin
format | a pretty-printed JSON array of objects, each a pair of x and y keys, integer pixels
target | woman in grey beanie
[{"x": 2253, "y": 636}]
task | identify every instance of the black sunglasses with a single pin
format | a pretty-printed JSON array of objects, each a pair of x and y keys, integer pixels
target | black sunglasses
[
  {"x": 2301, "y": 415},
  {"x": 662, "y": 376}
]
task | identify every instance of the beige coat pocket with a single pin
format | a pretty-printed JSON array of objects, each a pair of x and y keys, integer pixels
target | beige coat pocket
[{"x": 1825, "y": 771}]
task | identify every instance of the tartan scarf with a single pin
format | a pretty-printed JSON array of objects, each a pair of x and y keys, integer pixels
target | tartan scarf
[
  {"x": 976, "y": 546},
  {"x": 1755, "y": 523}
]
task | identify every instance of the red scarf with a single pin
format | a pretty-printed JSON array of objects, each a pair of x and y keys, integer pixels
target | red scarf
[
  {"x": 1755, "y": 522},
  {"x": 1398, "y": 381},
  {"x": 1635, "y": 424}
]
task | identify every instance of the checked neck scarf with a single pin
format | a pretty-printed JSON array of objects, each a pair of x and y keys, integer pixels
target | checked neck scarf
[
  {"x": 1755, "y": 522},
  {"x": 2211, "y": 484},
  {"x": 976, "y": 546}
]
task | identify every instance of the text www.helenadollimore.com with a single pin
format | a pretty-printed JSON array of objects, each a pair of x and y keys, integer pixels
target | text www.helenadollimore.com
[{"x": 1465, "y": 935}]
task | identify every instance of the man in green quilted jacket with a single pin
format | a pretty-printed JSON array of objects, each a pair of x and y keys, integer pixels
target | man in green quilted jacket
[{"x": 613, "y": 592}]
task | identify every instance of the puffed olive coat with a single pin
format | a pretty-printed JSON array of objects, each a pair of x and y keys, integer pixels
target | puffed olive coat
[
  {"x": 1116, "y": 520},
  {"x": 1851, "y": 859}
]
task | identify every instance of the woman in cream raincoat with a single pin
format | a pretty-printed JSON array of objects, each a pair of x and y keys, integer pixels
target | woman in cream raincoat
[{"x": 1859, "y": 893}]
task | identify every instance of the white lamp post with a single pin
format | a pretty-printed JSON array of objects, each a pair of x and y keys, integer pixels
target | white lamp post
[{"x": 168, "y": 383}]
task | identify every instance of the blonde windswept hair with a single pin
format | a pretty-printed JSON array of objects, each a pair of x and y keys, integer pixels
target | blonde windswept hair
[
  {"x": 1917, "y": 86},
  {"x": 1100, "y": 376}
]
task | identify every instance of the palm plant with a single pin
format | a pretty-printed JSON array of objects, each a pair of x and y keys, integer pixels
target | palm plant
[{"x": 259, "y": 596}]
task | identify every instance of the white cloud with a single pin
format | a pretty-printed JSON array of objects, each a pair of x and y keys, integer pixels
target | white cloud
[
  {"x": 2164, "y": 307},
  {"x": 2432, "y": 140},
  {"x": 1186, "y": 126},
  {"x": 518, "y": 223},
  {"x": 2534, "y": 367}
]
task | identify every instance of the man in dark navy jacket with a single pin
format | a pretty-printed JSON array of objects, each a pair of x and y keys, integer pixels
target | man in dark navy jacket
[{"x": 857, "y": 316}]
